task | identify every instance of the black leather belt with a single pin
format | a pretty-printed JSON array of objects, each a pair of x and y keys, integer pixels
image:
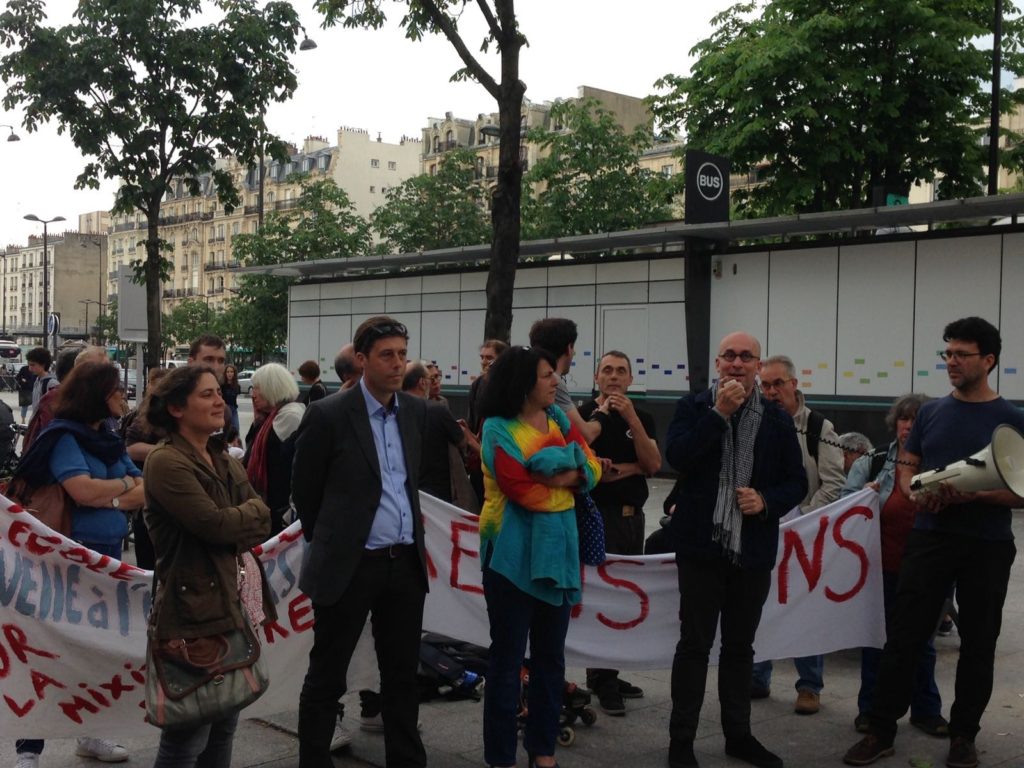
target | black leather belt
[{"x": 391, "y": 552}]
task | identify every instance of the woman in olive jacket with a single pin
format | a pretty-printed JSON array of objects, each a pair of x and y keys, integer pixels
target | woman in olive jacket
[{"x": 203, "y": 517}]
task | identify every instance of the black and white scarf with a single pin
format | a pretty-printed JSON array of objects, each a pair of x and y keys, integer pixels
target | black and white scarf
[{"x": 735, "y": 472}]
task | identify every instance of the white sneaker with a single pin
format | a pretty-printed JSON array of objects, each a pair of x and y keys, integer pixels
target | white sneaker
[
  {"x": 342, "y": 738},
  {"x": 27, "y": 760},
  {"x": 101, "y": 749}
]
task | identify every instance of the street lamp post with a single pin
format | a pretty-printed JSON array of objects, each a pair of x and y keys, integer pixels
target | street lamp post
[
  {"x": 99, "y": 295},
  {"x": 99, "y": 304},
  {"x": 12, "y": 136},
  {"x": 46, "y": 274},
  {"x": 305, "y": 45}
]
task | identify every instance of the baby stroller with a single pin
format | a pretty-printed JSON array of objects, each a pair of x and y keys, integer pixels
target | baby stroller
[{"x": 575, "y": 706}]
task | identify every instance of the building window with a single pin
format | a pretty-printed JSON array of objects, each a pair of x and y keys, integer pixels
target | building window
[
  {"x": 437, "y": 144},
  {"x": 433, "y": 169},
  {"x": 372, "y": 189},
  {"x": 392, "y": 165},
  {"x": 374, "y": 163},
  {"x": 235, "y": 227},
  {"x": 666, "y": 170}
]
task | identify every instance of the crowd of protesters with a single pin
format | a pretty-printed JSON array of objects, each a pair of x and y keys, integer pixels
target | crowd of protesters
[{"x": 350, "y": 465}]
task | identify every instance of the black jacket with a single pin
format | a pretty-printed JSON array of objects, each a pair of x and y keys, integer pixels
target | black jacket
[{"x": 694, "y": 449}]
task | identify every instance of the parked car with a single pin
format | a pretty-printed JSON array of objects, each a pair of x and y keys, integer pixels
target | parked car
[{"x": 245, "y": 381}]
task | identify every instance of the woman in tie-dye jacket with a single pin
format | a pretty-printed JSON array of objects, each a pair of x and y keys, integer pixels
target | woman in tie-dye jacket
[{"x": 533, "y": 461}]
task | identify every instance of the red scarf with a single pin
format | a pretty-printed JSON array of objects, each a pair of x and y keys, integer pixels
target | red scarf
[{"x": 257, "y": 467}]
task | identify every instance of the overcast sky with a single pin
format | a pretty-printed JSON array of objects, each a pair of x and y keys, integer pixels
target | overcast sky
[{"x": 381, "y": 82}]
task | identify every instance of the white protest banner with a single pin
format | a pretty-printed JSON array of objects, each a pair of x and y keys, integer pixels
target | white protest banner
[
  {"x": 826, "y": 591},
  {"x": 73, "y": 623}
]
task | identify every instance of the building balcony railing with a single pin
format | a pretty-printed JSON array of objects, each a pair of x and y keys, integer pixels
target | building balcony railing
[
  {"x": 215, "y": 291},
  {"x": 286, "y": 205},
  {"x": 492, "y": 171},
  {"x": 125, "y": 226},
  {"x": 213, "y": 266},
  {"x": 252, "y": 210},
  {"x": 215, "y": 239}
]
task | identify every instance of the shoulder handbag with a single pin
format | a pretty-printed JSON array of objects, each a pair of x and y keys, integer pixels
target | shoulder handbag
[
  {"x": 49, "y": 504},
  {"x": 203, "y": 680}
]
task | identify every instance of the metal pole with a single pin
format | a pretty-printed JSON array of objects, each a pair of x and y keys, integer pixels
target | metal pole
[
  {"x": 993, "y": 130},
  {"x": 46, "y": 289},
  {"x": 5, "y": 294}
]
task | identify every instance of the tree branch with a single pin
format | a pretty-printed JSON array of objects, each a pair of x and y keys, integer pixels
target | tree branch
[
  {"x": 448, "y": 28},
  {"x": 492, "y": 22}
]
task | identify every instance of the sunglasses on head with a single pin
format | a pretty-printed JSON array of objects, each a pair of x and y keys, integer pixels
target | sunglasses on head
[{"x": 380, "y": 331}]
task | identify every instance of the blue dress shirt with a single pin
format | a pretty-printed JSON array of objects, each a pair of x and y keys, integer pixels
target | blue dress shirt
[{"x": 392, "y": 524}]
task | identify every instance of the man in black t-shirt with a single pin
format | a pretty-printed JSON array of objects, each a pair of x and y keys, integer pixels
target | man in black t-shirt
[{"x": 627, "y": 439}]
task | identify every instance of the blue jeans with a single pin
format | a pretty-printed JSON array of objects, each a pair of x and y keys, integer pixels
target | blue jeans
[
  {"x": 515, "y": 616},
  {"x": 208, "y": 746},
  {"x": 810, "y": 672},
  {"x": 925, "y": 701}
]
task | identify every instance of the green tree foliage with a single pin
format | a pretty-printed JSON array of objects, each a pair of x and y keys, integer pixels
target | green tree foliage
[
  {"x": 838, "y": 97},
  {"x": 442, "y": 17},
  {"x": 440, "y": 211},
  {"x": 589, "y": 178},
  {"x": 323, "y": 225},
  {"x": 152, "y": 95},
  {"x": 188, "y": 320}
]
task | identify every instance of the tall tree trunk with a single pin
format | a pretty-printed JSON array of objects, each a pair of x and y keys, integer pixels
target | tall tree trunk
[
  {"x": 505, "y": 218},
  {"x": 152, "y": 273},
  {"x": 505, "y": 207}
]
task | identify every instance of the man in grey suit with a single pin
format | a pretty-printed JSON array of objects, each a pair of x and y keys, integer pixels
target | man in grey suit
[{"x": 354, "y": 485}]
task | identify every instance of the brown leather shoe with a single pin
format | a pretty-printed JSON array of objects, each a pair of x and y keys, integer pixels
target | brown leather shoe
[
  {"x": 807, "y": 702},
  {"x": 868, "y": 750}
]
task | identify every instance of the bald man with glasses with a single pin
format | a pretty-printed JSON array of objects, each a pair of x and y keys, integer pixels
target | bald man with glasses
[{"x": 741, "y": 470}]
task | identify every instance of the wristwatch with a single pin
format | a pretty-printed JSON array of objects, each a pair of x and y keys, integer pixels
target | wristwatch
[{"x": 115, "y": 503}]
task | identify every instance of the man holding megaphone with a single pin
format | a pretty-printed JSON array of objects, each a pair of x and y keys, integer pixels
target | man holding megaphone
[{"x": 962, "y": 535}]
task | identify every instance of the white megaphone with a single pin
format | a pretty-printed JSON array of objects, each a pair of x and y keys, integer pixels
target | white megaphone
[{"x": 999, "y": 466}]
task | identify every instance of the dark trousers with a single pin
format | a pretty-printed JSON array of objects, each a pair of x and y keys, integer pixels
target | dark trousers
[
  {"x": 623, "y": 535},
  {"x": 391, "y": 592},
  {"x": 709, "y": 589},
  {"x": 932, "y": 562},
  {"x": 205, "y": 746},
  {"x": 925, "y": 700},
  {"x": 145, "y": 556},
  {"x": 515, "y": 617}
]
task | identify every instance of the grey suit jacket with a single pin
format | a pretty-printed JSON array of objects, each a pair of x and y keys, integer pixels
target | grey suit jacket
[{"x": 336, "y": 486}]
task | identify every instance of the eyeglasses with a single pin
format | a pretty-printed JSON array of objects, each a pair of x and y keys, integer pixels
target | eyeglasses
[
  {"x": 730, "y": 356},
  {"x": 379, "y": 331},
  {"x": 777, "y": 384},
  {"x": 436, "y": 377},
  {"x": 956, "y": 354}
]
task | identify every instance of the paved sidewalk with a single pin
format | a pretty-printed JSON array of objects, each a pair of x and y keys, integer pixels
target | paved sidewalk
[{"x": 452, "y": 730}]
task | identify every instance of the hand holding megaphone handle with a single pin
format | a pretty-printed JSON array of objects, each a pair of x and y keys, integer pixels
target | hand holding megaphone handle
[{"x": 940, "y": 496}]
